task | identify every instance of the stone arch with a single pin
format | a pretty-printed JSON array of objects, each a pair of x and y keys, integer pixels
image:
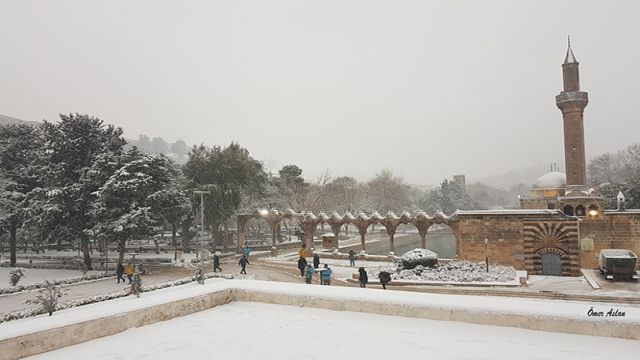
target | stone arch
[
  {"x": 552, "y": 261},
  {"x": 557, "y": 237},
  {"x": 256, "y": 230},
  {"x": 568, "y": 210},
  {"x": 442, "y": 240}
]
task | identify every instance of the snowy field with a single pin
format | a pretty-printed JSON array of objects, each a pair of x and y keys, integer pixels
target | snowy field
[
  {"x": 253, "y": 330},
  {"x": 35, "y": 276}
]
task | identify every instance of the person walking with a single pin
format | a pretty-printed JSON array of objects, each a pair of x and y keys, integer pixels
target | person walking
[
  {"x": 325, "y": 275},
  {"x": 130, "y": 271},
  {"x": 243, "y": 262},
  {"x": 363, "y": 278},
  {"x": 385, "y": 278},
  {"x": 246, "y": 251},
  {"x": 308, "y": 273},
  {"x": 352, "y": 258},
  {"x": 216, "y": 262},
  {"x": 120, "y": 272},
  {"x": 316, "y": 260},
  {"x": 302, "y": 264}
]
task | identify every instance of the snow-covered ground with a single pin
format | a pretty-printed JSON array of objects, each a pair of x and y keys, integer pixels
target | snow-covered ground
[
  {"x": 254, "y": 330},
  {"x": 36, "y": 276}
]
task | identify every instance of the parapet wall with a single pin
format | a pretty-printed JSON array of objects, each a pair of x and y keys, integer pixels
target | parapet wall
[{"x": 415, "y": 305}]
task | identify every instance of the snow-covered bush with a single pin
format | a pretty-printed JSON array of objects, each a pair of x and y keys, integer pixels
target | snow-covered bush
[
  {"x": 15, "y": 275},
  {"x": 199, "y": 276},
  {"x": 459, "y": 271},
  {"x": 47, "y": 298},
  {"x": 18, "y": 288},
  {"x": 136, "y": 285}
]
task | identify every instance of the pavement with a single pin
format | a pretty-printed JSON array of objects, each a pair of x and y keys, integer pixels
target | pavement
[{"x": 284, "y": 269}]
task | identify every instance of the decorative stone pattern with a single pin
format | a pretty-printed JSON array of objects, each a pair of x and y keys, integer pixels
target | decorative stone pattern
[{"x": 559, "y": 237}]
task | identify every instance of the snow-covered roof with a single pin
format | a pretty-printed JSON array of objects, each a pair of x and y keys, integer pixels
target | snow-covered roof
[
  {"x": 509, "y": 212},
  {"x": 552, "y": 180}
]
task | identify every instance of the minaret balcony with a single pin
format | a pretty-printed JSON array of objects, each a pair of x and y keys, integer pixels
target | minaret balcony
[{"x": 572, "y": 101}]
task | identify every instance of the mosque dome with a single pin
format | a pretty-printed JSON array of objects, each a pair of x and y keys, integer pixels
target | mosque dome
[{"x": 552, "y": 180}]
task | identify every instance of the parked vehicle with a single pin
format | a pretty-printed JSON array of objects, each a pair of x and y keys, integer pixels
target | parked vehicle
[{"x": 618, "y": 264}]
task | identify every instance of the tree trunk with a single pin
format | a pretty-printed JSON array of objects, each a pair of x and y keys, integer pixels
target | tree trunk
[
  {"x": 226, "y": 237},
  {"x": 362, "y": 235},
  {"x": 84, "y": 246},
  {"x": 59, "y": 244},
  {"x": 423, "y": 240},
  {"x": 174, "y": 242},
  {"x": 12, "y": 244},
  {"x": 392, "y": 246},
  {"x": 121, "y": 246},
  {"x": 155, "y": 241}
]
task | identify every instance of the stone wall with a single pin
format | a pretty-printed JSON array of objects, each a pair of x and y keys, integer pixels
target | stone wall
[
  {"x": 620, "y": 230},
  {"x": 79, "y": 330},
  {"x": 504, "y": 235}
]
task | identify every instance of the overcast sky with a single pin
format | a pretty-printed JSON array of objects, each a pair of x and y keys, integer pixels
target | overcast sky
[{"x": 425, "y": 89}]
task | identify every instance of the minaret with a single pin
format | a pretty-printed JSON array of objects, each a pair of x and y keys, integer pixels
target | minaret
[{"x": 571, "y": 101}]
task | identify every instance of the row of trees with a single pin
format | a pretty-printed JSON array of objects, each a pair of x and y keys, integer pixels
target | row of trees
[
  {"x": 159, "y": 146},
  {"x": 614, "y": 172},
  {"x": 76, "y": 181}
]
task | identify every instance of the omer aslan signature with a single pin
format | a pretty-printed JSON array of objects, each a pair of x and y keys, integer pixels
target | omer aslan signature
[{"x": 611, "y": 312}]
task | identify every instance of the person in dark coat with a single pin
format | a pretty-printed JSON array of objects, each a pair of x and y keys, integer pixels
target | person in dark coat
[
  {"x": 120, "y": 272},
  {"x": 302, "y": 264},
  {"x": 216, "y": 263},
  {"x": 352, "y": 258},
  {"x": 363, "y": 278},
  {"x": 316, "y": 260},
  {"x": 385, "y": 278},
  {"x": 243, "y": 262}
]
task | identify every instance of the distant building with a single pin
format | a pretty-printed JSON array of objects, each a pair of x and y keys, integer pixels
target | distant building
[{"x": 460, "y": 180}]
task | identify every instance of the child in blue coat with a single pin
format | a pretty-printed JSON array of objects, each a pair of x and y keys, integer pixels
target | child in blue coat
[
  {"x": 325, "y": 275},
  {"x": 308, "y": 274}
]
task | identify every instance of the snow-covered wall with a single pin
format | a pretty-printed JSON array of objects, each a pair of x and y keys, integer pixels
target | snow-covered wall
[{"x": 26, "y": 337}]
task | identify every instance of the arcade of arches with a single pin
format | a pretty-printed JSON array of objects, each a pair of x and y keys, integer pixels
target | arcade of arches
[{"x": 540, "y": 241}]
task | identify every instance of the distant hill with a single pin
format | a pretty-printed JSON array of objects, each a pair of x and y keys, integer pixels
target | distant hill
[
  {"x": 509, "y": 179},
  {"x": 8, "y": 120}
]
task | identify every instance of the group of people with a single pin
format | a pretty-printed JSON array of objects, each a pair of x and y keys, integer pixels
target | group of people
[
  {"x": 243, "y": 262},
  {"x": 121, "y": 270},
  {"x": 307, "y": 270}
]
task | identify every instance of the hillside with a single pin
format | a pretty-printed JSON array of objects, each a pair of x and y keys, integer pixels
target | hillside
[{"x": 8, "y": 120}]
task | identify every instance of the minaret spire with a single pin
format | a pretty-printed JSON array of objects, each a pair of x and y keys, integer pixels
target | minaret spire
[{"x": 569, "y": 58}]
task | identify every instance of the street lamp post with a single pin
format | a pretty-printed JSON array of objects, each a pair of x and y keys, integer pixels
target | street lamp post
[
  {"x": 486, "y": 253},
  {"x": 201, "y": 192}
]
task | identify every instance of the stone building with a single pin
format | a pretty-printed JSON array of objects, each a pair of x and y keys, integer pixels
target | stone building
[{"x": 561, "y": 226}]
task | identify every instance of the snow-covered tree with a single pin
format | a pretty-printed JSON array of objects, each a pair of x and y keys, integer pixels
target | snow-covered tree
[
  {"x": 448, "y": 198},
  {"x": 21, "y": 171},
  {"x": 226, "y": 173},
  {"x": 71, "y": 147},
  {"x": 173, "y": 207},
  {"x": 387, "y": 192},
  {"x": 124, "y": 206},
  {"x": 179, "y": 148}
]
